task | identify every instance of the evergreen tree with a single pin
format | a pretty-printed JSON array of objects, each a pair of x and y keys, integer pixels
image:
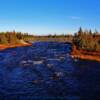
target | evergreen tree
[{"x": 3, "y": 39}]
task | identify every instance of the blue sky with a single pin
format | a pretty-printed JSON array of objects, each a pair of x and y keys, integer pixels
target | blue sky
[{"x": 49, "y": 16}]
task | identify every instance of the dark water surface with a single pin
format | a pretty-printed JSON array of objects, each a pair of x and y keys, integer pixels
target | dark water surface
[{"x": 46, "y": 70}]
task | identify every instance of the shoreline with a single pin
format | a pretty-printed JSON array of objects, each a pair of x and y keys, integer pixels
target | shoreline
[
  {"x": 85, "y": 55},
  {"x": 3, "y": 46},
  {"x": 78, "y": 54}
]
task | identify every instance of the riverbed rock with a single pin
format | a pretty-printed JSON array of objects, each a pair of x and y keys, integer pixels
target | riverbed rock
[{"x": 38, "y": 62}]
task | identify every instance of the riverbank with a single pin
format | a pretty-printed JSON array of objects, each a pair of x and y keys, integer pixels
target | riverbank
[
  {"x": 21, "y": 44},
  {"x": 85, "y": 55}
]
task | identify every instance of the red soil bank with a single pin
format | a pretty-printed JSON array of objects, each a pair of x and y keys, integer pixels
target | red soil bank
[
  {"x": 86, "y": 55},
  {"x": 2, "y": 47}
]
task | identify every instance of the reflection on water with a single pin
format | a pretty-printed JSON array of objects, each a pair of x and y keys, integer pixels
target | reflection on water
[{"x": 46, "y": 70}]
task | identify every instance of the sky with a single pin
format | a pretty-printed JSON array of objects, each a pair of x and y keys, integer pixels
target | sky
[{"x": 41, "y": 17}]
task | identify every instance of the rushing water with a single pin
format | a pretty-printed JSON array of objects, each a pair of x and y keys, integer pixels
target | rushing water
[{"x": 45, "y": 70}]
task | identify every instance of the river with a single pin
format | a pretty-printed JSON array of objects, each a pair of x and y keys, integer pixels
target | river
[{"x": 45, "y": 71}]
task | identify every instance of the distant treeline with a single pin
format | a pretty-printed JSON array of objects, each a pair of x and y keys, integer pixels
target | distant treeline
[
  {"x": 87, "y": 40},
  {"x": 14, "y": 37},
  {"x": 54, "y": 38}
]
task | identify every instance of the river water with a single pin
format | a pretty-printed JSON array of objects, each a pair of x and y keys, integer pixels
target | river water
[{"x": 45, "y": 71}]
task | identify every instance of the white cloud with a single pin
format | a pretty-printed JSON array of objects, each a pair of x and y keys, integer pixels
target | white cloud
[{"x": 74, "y": 17}]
